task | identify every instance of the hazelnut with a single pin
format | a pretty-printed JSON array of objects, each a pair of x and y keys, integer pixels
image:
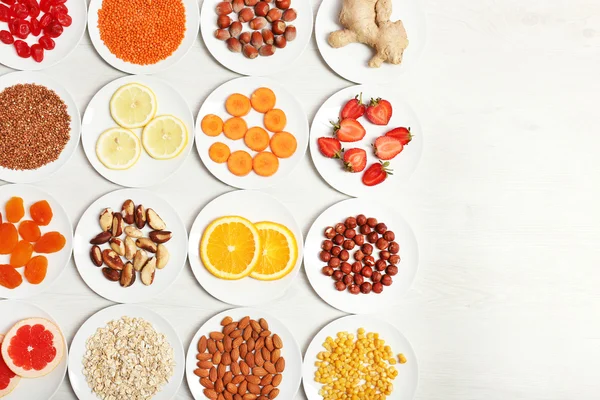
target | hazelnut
[
  {"x": 348, "y": 244},
  {"x": 359, "y": 255},
  {"x": 234, "y": 45},
  {"x": 369, "y": 261},
  {"x": 329, "y": 231},
  {"x": 380, "y": 228},
  {"x": 394, "y": 248},
  {"x": 384, "y": 255},
  {"x": 372, "y": 237},
  {"x": 325, "y": 256},
  {"x": 365, "y": 229},
  {"x": 381, "y": 243},
  {"x": 338, "y": 239},
  {"x": 327, "y": 271},
  {"x": 335, "y": 251},
  {"x": 257, "y": 24},
  {"x": 349, "y": 233},
  {"x": 377, "y": 287},
  {"x": 267, "y": 50},
  {"x": 386, "y": 280},
  {"x": 380, "y": 265},
  {"x": 372, "y": 222},
  {"x": 261, "y": 9},
  {"x": 290, "y": 33},
  {"x": 269, "y": 38},
  {"x": 347, "y": 280},
  {"x": 274, "y": 14},
  {"x": 256, "y": 39},
  {"x": 367, "y": 272},
  {"x": 251, "y": 3},
  {"x": 367, "y": 249},
  {"x": 224, "y": 8},
  {"x": 365, "y": 288},
  {"x": 278, "y": 27},
  {"x": 246, "y": 15},
  {"x": 340, "y": 286},
  {"x": 395, "y": 259},
  {"x": 337, "y": 275},
  {"x": 250, "y": 51},
  {"x": 245, "y": 37},
  {"x": 327, "y": 245},
  {"x": 340, "y": 228},
  {"x": 334, "y": 262},
  {"x": 359, "y": 279},
  {"x": 344, "y": 255},
  {"x": 283, "y": 4},
  {"x": 357, "y": 267},
  {"x": 235, "y": 28},
  {"x": 389, "y": 236},
  {"x": 350, "y": 222},
  {"x": 361, "y": 219},
  {"x": 354, "y": 289},
  {"x": 346, "y": 268},
  {"x": 237, "y": 5},
  {"x": 280, "y": 42},
  {"x": 391, "y": 270},
  {"x": 289, "y": 15},
  {"x": 223, "y": 21},
  {"x": 222, "y": 34},
  {"x": 359, "y": 240},
  {"x": 376, "y": 277}
]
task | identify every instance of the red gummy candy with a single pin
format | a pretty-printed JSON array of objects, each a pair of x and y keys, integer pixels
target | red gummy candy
[
  {"x": 19, "y": 10},
  {"x": 34, "y": 26},
  {"x": 64, "y": 19},
  {"x": 22, "y": 48},
  {"x": 6, "y": 37},
  {"x": 37, "y": 52},
  {"x": 46, "y": 20},
  {"x": 53, "y": 30}
]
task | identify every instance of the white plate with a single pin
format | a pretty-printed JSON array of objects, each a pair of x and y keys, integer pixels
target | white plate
[
  {"x": 147, "y": 171},
  {"x": 192, "y": 20},
  {"x": 405, "y": 384},
  {"x": 351, "y": 61},
  {"x": 237, "y": 62},
  {"x": 44, "y": 387},
  {"x": 403, "y": 164},
  {"x": 28, "y": 176},
  {"x": 292, "y": 374},
  {"x": 88, "y": 227},
  {"x": 57, "y": 262},
  {"x": 65, "y": 44},
  {"x": 100, "y": 320},
  {"x": 297, "y": 125},
  {"x": 362, "y": 303},
  {"x": 255, "y": 206}
]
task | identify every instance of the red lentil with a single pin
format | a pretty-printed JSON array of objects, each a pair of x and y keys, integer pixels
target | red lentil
[
  {"x": 34, "y": 126},
  {"x": 142, "y": 31}
]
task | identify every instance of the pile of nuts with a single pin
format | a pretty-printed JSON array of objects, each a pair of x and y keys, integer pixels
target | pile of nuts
[
  {"x": 366, "y": 234},
  {"x": 134, "y": 247},
  {"x": 242, "y": 362},
  {"x": 258, "y": 14}
]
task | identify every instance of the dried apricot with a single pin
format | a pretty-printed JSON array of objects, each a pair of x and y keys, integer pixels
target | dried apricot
[
  {"x": 14, "y": 209},
  {"x": 29, "y": 231},
  {"x": 41, "y": 212},
  {"x": 8, "y": 238},
  {"x": 9, "y": 277},
  {"x": 21, "y": 254},
  {"x": 35, "y": 269},
  {"x": 50, "y": 242}
]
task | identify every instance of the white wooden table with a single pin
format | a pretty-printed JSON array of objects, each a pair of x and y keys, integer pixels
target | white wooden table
[{"x": 504, "y": 202}]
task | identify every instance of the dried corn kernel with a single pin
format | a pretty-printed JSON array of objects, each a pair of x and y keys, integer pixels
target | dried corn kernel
[{"x": 401, "y": 358}]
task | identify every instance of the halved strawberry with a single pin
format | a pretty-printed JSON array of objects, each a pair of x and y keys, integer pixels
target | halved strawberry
[
  {"x": 376, "y": 173},
  {"x": 379, "y": 111},
  {"x": 354, "y": 108},
  {"x": 402, "y": 134},
  {"x": 355, "y": 160},
  {"x": 330, "y": 147},
  {"x": 348, "y": 130},
  {"x": 387, "y": 147}
]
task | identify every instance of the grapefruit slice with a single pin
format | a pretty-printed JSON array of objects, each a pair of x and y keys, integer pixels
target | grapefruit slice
[
  {"x": 33, "y": 347},
  {"x": 8, "y": 379}
]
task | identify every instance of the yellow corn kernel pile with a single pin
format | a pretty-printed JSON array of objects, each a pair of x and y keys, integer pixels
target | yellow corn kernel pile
[{"x": 355, "y": 369}]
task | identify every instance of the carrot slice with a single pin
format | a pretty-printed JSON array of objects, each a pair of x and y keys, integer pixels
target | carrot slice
[
  {"x": 29, "y": 231},
  {"x": 212, "y": 125},
  {"x": 237, "y": 105},
  {"x": 235, "y": 128},
  {"x": 275, "y": 120},
  {"x": 219, "y": 152},
  {"x": 283, "y": 144},
  {"x": 256, "y": 138},
  {"x": 265, "y": 163},
  {"x": 14, "y": 209},
  {"x": 239, "y": 163},
  {"x": 263, "y": 99},
  {"x": 35, "y": 270}
]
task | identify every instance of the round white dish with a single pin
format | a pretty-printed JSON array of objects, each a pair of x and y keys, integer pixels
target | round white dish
[
  {"x": 44, "y": 387},
  {"x": 402, "y": 165},
  {"x": 351, "y": 61},
  {"x": 147, "y": 171},
  {"x": 237, "y": 62},
  {"x": 297, "y": 124},
  {"x": 28, "y": 176},
  {"x": 65, "y": 44},
  {"x": 88, "y": 227},
  {"x": 254, "y": 206},
  {"x": 292, "y": 374},
  {"x": 57, "y": 262},
  {"x": 362, "y": 303},
  {"x": 405, "y": 384},
  {"x": 192, "y": 20},
  {"x": 103, "y": 317}
]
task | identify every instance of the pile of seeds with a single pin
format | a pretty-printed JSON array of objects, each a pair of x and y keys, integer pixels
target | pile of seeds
[
  {"x": 127, "y": 359},
  {"x": 34, "y": 126}
]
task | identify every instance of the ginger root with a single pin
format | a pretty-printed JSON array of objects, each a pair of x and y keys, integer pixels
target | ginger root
[{"x": 368, "y": 22}]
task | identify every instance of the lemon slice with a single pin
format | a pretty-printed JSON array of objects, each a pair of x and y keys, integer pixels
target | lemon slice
[
  {"x": 133, "y": 105},
  {"x": 118, "y": 148},
  {"x": 164, "y": 137},
  {"x": 230, "y": 247},
  {"x": 279, "y": 252}
]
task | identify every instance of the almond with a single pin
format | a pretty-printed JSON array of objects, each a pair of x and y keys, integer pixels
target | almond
[
  {"x": 247, "y": 333},
  {"x": 277, "y": 380},
  {"x": 235, "y": 29},
  {"x": 222, "y": 34},
  {"x": 266, "y": 354},
  {"x": 234, "y": 45},
  {"x": 259, "y": 371},
  {"x": 111, "y": 274},
  {"x": 202, "y": 344},
  {"x": 267, "y": 50},
  {"x": 266, "y": 389},
  {"x": 133, "y": 232},
  {"x": 264, "y": 324},
  {"x": 290, "y": 33},
  {"x": 128, "y": 211},
  {"x": 139, "y": 260},
  {"x": 118, "y": 246},
  {"x": 96, "y": 256},
  {"x": 216, "y": 358},
  {"x": 260, "y": 343},
  {"x": 235, "y": 353},
  {"x": 216, "y": 335},
  {"x": 127, "y": 275},
  {"x": 265, "y": 333},
  {"x": 203, "y": 356},
  {"x": 203, "y": 373},
  {"x": 250, "y": 360},
  {"x": 230, "y": 327},
  {"x": 244, "y": 322},
  {"x": 253, "y": 388},
  {"x": 205, "y": 364},
  {"x": 221, "y": 369},
  {"x": 280, "y": 365},
  {"x": 112, "y": 259},
  {"x": 289, "y": 15},
  {"x": 206, "y": 383},
  {"x": 258, "y": 359},
  {"x": 235, "y": 368},
  {"x": 246, "y": 15},
  {"x": 250, "y": 51},
  {"x": 236, "y": 334},
  {"x": 146, "y": 244},
  {"x": 101, "y": 238},
  {"x": 226, "y": 321},
  {"x": 238, "y": 379},
  {"x": 140, "y": 216},
  {"x": 251, "y": 343},
  {"x": 243, "y": 387},
  {"x": 227, "y": 377},
  {"x": 231, "y": 388},
  {"x": 117, "y": 224},
  {"x": 226, "y": 359},
  {"x": 274, "y": 393},
  {"x": 270, "y": 367},
  {"x": 106, "y": 217},
  {"x": 275, "y": 354},
  {"x": 130, "y": 248},
  {"x": 269, "y": 344},
  {"x": 266, "y": 380},
  {"x": 160, "y": 236},
  {"x": 253, "y": 379},
  {"x": 148, "y": 272},
  {"x": 274, "y": 15},
  {"x": 278, "y": 27},
  {"x": 224, "y": 21},
  {"x": 212, "y": 374},
  {"x": 155, "y": 221},
  {"x": 237, "y": 342},
  {"x": 255, "y": 325},
  {"x": 277, "y": 342},
  {"x": 211, "y": 346},
  {"x": 228, "y": 343},
  {"x": 249, "y": 396},
  {"x": 210, "y": 394},
  {"x": 244, "y": 368}
]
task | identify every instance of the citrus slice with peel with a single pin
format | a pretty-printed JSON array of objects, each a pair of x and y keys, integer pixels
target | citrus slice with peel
[
  {"x": 164, "y": 137},
  {"x": 133, "y": 105},
  {"x": 118, "y": 148},
  {"x": 279, "y": 252},
  {"x": 230, "y": 247}
]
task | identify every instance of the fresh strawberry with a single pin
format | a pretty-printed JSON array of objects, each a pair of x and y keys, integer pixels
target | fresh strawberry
[
  {"x": 330, "y": 147},
  {"x": 376, "y": 173},
  {"x": 355, "y": 160},
  {"x": 387, "y": 147},
  {"x": 379, "y": 111},
  {"x": 402, "y": 134},
  {"x": 348, "y": 130},
  {"x": 354, "y": 108}
]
